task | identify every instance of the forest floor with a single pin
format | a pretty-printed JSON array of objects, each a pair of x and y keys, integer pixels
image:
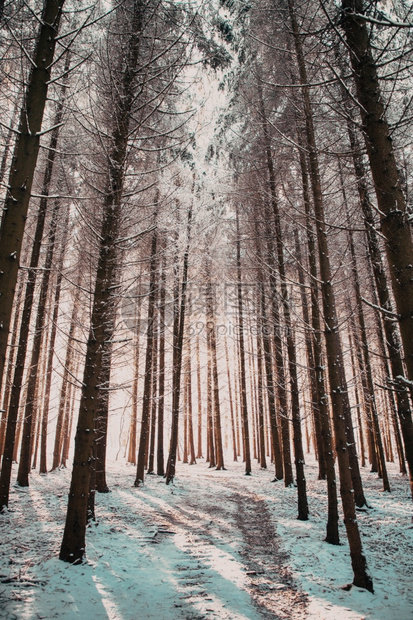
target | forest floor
[{"x": 215, "y": 544}]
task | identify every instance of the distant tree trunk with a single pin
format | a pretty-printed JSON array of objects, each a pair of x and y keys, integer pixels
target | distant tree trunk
[
  {"x": 146, "y": 401},
  {"x": 51, "y": 349},
  {"x": 332, "y": 535},
  {"x": 312, "y": 375},
  {"x": 338, "y": 386},
  {"x": 160, "y": 470},
  {"x": 185, "y": 408},
  {"x": 20, "y": 181},
  {"x": 260, "y": 388},
  {"x": 252, "y": 390},
  {"x": 357, "y": 396},
  {"x": 268, "y": 364},
  {"x": 135, "y": 381},
  {"x": 154, "y": 402},
  {"x": 368, "y": 414},
  {"x": 292, "y": 360},
  {"x": 69, "y": 414},
  {"x": 178, "y": 338},
  {"x": 279, "y": 359},
  {"x": 199, "y": 394},
  {"x": 210, "y": 404},
  {"x": 191, "y": 442},
  {"x": 67, "y": 369},
  {"x": 241, "y": 346},
  {"x": 231, "y": 403},
  {"x": 211, "y": 326}
]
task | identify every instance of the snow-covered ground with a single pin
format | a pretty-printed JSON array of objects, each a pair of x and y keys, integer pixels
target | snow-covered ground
[{"x": 212, "y": 545}]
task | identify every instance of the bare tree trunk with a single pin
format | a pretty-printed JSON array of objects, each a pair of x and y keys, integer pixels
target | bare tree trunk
[
  {"x": 211, "y": 326},
  {"x": 244, "y": 408},
  {"x": 135, "y": 382},
  {"x": 389, "y": 326},
  {"x": 161, "y": 393},
  {"x": 332, "y": 535},
  {"x": 191, "y": 441},
  {"x": 15, "y": 397},
  {"x": 68, "y": 366},
  {"x": 210, "y": 405},
  {"x": 24, "y": 465},
  {"x": 68, "y": 416},
  {"x": 51, "y": 350},
  {"x": 395, "y": 225},
  {"x": 73, "y": 543},
  {"x": 276, "y": 450},
  {"x": 357, "y": 397},
  {"x": 146, "y": 401},
  {"x": 338, "y": 387},
  {"x": 20, "y": 181},
  {"x": 315, "y": 396},
  {"x": 260, "y": 388},
  {"x": 231, "y": 403},
  {"x": 179, "y": 324},
  {"x": 367, "y": 362},
  {"x": 10, "y": 364},
  {"x": 154, "y": 402},
  {"x": 199, "y": 395}
]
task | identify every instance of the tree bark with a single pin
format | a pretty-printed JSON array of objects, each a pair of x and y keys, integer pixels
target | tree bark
[
  {"x": 338, "y": 386},
  {"x": 22, "y": 170},
  {"x": 178, "y": 338},
  {"x": 241, "y": 347},
  {"x": 146, "y": 401},
  {"x": 395, "y": 225}
]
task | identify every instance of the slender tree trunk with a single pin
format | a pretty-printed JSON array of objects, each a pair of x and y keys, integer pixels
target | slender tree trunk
[
  {"x": 244, "y": 408},
  {"x": 210, "y": 405},
  {"x": 211, "y": 326},
  {"x": 51, "y": 350},
  {"x": 68, "y": 367},
  {"x": 191, "y": 441},
  {"x": 357, "y": 397},
  {"x": 73, "y": 543},
  {"x": 20, "y": 181},
  {"x": 199, "y": 395},
  {"x": 135, "y": 382},
  {"x": 231, "y": 403},
  {"x": 15, "y": 397},
  {"x": 154, "y": 402},
  {"x": 10, "y": 364},
  {"x": 160, "y": 470},
  {"x": 178, "y": 338},
  {"x": 389, "y": 326},
  {"x": 146, "y": 401},
  {"x": 69, "y": 414},
  {"x": 24, "y": 465},
  {"x": 312, "y": 375},
  {"x": 395, "y": 225},
  {"x": 260, "y": 387},
  {"x": 338, "y": 385}
]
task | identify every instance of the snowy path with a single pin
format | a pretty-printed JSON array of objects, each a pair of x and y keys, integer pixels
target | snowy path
[{"x": 214, "y": 545}]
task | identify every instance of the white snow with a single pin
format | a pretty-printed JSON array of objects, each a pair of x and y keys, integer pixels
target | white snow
[{"x": 203, "y": 547}]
